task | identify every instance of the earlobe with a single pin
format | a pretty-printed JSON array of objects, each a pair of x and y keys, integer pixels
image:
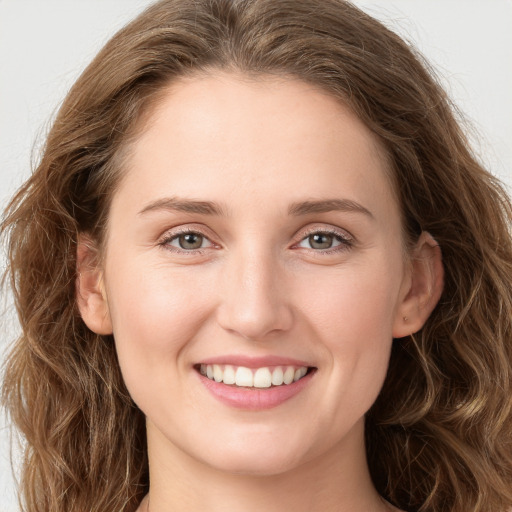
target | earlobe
[
  {"x": 424, "y": 287},
  {"x": 90, "y": 291}
]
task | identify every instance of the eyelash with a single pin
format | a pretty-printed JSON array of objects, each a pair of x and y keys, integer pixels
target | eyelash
[
  {"x": 345, "y": 242},
  {"x": 169, "y": 237}
]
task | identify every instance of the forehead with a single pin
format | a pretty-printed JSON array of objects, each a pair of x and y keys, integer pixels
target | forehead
[{"x": 280, "y": 139}]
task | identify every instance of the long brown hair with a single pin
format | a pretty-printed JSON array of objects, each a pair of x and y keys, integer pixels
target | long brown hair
[{"x": 439, "y": 437}]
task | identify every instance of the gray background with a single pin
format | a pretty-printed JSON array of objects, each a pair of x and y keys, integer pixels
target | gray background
[{"x": 45, "y": 44}]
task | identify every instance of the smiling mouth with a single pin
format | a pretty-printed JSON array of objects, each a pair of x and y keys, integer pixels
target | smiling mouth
[{"x": 258, "y": 378}]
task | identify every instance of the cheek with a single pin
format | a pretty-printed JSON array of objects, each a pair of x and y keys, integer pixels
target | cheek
[
  {"x": 351, "y": 314},
  {"x": 155, "y": 315},
  {"x": 356, "y": 335},
  {"x": 353, "y": 303}
]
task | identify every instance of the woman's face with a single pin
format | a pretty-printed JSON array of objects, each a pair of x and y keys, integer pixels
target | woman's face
[{"x": 255, "y": 236}]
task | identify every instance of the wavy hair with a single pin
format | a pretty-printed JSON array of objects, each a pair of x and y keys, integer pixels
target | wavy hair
[{"x": 439, "y": 437}]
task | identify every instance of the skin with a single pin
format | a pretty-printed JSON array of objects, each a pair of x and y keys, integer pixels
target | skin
[{"x": 256, "y": 287}]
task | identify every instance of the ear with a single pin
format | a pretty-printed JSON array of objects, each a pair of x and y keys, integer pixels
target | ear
[
  {"x": 90, "y": 291},
  {"x": 423, "y": 288}
]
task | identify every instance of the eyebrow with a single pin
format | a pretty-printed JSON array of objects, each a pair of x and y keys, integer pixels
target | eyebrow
[
  {"x": 327, "y": 205},
  {"x": 295, "y": 209},
  {"x": 184, "y": 205}
]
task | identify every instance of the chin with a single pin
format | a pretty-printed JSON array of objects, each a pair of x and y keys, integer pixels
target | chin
[
  {"x": 258, "y": 464},
  {"x": 257, "y": 457}
]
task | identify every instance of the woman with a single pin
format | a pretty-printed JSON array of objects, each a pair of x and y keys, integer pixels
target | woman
[{"x": 258, "y": 266}]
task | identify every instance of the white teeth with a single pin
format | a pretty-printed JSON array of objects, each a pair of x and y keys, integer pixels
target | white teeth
[
  {"x": 243, "y": 377},
  {"x": 217, "y": 373},
  {"x": 229, "y": 375},
  {"x": 258, "y": 378},
  {"x": 289, "y": 374},
  {"x": 262, "y": 378},
  {"x": 277, "y": 376},
  {"x": 299, "y": 373}
]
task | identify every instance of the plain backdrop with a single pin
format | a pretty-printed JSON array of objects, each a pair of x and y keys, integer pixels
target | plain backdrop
[{"x": 45, "y": 44}]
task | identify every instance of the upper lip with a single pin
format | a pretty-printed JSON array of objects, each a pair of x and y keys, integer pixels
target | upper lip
[{"x": 254, "y": 362}]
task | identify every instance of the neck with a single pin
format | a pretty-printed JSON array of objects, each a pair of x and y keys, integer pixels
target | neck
[{"x": 337, "y": 481}]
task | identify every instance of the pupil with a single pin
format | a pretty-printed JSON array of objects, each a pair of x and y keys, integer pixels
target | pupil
[
  {"x": 320, "y": 241},
  {"x": 191, "y": 241}
]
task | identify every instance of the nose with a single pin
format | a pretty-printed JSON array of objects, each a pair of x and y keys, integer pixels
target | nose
[{"x": 254, "y": 301}]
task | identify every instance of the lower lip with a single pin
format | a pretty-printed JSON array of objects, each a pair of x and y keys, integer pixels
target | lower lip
[{"x": 255, "y": 399}]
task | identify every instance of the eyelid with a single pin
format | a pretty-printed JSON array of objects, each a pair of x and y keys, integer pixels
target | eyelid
[
  {"x": 345, "y": 236},
  {"x": 347, "y": 239},
  {"x": 331, "y": 230},
  {"x": 173, "y": 233}
]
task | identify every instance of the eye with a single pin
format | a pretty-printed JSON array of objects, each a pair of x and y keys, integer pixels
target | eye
[
  {"x": 324, "y": 240},
  {"x": 187, "y": 241}
]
